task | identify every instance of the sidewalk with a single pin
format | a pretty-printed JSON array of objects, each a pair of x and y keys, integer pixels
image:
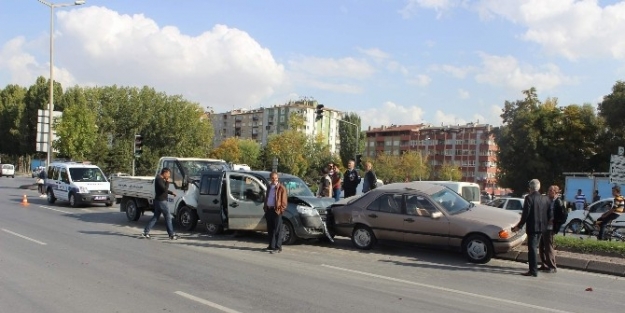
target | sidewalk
[{"x": 611, "y": 265}]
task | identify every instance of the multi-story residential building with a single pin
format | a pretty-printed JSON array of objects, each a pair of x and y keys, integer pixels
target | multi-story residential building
[
  {"x": 471, "y": 147},
  {"x": 259, "y": 124}
]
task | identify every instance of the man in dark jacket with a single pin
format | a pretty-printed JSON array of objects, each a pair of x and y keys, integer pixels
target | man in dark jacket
[
  {"x": 557, "y": 215},
  {"x": 161, "y": 193},
  {"x": 534, "y": 218},
  {"x": 351, "y": 180}
]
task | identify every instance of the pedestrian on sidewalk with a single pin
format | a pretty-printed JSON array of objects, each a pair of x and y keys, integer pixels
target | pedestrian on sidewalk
[
  {"x": 161, "y": 192},
  {"x": 555, "y": 219},
  {"x": 335, "y": 174},
  {"x": 41, "y": 180},
  {"x": 275, "y": 205},
  {"x": 325, "y": 184},
  {"x": 534, "y": 216},
  {"x": 351, "y": 180}
]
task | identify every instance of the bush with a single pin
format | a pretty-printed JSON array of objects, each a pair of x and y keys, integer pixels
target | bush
[{"x": 589, "y": 245}]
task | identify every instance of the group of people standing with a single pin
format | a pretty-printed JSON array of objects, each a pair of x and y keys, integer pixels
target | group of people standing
[
  {"x": 543, "y": 216},
  {"x": 331, "y": 183}
]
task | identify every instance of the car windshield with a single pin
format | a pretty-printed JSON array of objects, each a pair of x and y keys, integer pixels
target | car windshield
[
  {"x": 197, "y": 167},
  {"x": 90, "y": 174},
  {"x": 296, "y": 187},
  {"x": 451, "y": 201}
]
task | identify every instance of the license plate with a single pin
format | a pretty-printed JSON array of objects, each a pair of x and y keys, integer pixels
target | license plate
[{"x": 100, "y": 198}]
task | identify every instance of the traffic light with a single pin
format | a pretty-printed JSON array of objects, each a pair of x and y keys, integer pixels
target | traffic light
[
  {"x": 319, "y": 112},
  {"x": 138, "y": 145},
  {"x": 358, "y": 160}
]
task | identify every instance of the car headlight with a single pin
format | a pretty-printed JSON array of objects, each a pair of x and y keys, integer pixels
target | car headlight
[
  {"x": 83, "y": 190},
  {"x": 307, "y": 211}
]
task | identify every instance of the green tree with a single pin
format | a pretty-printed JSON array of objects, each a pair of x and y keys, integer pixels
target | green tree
[
  {"x": 347, "y": 136},
  {"x": 542, "y": 140},
  {"x": 229, "y": 150},
  {"x": 290, "y": 149},
  {"x": 449, "y": 171},
  {"x": 77, "y": 129},
  {"x": 414, "y": 165},
  {"x": 386, "y": 168},
  {"x": 250, "y": 153}
]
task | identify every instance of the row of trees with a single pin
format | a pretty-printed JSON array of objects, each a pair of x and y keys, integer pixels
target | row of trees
[
  {"x": 540, "y": 139},
  {"x": 99, "y": 124}
]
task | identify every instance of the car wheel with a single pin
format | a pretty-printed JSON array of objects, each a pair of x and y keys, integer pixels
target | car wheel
[
  {"x": 213, "y": 229},
  {"x": 478, "y": 249},
  {"x": 72, "y": 200},
  {"x": 51, "y": 198},
  {"x": 132, "y": 211},
  {"x": 573, "y": 227},
  {"x": 363, "y": 237},
  {"x": 187, "y": 218},
  {"x": 288, "y": 233}
]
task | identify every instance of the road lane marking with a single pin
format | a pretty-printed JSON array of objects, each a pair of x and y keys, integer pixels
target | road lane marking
[
  {"x": 475, "y": 295},
  {"x": 24, "y": 237},
  {"x": 206, "y": 302},
  {"x": 52, "y": 209}
]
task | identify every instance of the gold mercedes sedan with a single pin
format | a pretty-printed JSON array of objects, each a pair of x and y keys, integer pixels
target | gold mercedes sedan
[{"x": 425, "y": 214}]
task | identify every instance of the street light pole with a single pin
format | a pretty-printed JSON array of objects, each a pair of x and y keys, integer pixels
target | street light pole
[{"x": 52, "y": 6}]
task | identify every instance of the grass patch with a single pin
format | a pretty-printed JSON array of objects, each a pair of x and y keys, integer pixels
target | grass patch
[{"x": 589, "y": 245}]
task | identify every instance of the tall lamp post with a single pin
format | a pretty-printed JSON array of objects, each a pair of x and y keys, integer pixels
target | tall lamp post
[{"x": 53, "y": 6}]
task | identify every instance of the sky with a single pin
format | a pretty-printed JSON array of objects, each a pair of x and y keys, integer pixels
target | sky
[{"x": 390, "y": 61}]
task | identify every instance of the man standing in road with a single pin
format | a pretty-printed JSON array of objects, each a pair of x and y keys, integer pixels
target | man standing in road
[
  {"x": 371, "y": 181},
  {"x": 161, "y": 191},
  {"x": 554, "y": 216},
  {"x": 275, "y": 204},
  {"x": 535, "y": 214},
  {"x": 351, "y": 180},
  {"x": 580, "y": 200},
  {"x": 41, "y": 180},
  {"x": 335, "y": 174},
  {"x": 325, "y": 185}
]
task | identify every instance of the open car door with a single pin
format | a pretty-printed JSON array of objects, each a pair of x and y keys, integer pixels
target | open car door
[
  {"x": 210, "y": 208},
  {"x": 246, "y": 197}
]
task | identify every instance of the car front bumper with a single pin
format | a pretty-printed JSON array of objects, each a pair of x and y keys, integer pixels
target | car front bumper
[
  {"x": 89, "y": 198},
  {"x": 503, "y": 246}
]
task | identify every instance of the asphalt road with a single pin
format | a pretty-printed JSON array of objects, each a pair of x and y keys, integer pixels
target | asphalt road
[{"x": 54, "y": 258}]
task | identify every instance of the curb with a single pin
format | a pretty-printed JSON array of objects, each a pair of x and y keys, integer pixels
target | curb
[{"x": 571, "y": 263}]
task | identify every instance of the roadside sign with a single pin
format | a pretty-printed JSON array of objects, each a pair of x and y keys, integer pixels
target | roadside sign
[
  {"x": 621, "y": 151},
  {"x": 617, "y": 169}
]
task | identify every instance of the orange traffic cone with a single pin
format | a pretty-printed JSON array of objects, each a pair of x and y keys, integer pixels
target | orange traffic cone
[{"x": 24, "y": 201}]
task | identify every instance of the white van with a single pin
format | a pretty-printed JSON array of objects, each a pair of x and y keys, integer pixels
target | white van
[
  {"x": 469, "y": 191},
  {"x": 78, "y": 184},
  {"x": 7, "y": 170}
]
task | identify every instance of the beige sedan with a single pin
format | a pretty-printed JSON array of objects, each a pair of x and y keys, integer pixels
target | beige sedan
[{"x": 425, "y": 214}]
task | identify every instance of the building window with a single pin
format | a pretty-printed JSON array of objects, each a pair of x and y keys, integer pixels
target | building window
[
  {"x": 458, "y": 142},
  {"x": 371, "y": 143},
  {"x": 396, "y": 143},
  {"x": 388, "y": 142}
]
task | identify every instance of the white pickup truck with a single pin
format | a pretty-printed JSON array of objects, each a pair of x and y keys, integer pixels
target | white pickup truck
[{"x": 137, "y": 192}]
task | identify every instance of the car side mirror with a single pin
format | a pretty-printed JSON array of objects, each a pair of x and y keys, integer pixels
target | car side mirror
[
  {"x": 436, "y": 215},
  {"x": 185, "y": 183}
]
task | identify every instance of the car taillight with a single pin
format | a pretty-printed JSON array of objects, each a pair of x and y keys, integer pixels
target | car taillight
[{"x": 504, "y": 234}]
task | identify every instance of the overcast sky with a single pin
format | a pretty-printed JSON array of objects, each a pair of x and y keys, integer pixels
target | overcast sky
[{"x": 391, "y": 61}]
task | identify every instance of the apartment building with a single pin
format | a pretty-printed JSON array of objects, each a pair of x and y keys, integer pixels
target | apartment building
[
  {"x": 259, "y": 124},
  {"x": 471, "y": 147}
]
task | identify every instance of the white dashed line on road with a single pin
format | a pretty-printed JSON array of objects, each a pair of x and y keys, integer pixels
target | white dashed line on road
[
  {"x": 52, "y": 209},
  {"x": 449, "y": 290},
  {"x": 23, "y": 237},
  {"x": 206, "y": 302}
]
